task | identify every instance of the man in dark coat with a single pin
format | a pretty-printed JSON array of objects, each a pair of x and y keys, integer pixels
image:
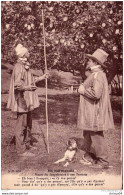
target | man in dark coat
[
  {"x": 95, "y": 113},
  {"x": 23, "y": 99}
]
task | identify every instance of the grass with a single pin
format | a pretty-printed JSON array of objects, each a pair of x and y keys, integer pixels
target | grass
[{"x": 62, "y": 112}]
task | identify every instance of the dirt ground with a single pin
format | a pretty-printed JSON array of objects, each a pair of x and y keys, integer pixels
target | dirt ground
[{"x": 62, "y": 112}]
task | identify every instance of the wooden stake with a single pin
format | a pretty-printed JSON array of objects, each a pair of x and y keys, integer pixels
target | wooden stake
[{"x": 46, "y": 81}]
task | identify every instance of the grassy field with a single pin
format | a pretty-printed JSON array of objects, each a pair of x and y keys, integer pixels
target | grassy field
[{"x": 62, "y": 113}]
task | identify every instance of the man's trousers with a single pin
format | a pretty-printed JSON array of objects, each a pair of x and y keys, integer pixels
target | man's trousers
[
  {"x": 95, "y": 145},
  {"x": 23, "y": 131}
]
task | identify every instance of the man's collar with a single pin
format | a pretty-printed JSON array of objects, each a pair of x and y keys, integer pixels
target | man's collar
[{"x": 95, "y": 67}]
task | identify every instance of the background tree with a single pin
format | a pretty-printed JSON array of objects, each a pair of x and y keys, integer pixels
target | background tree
[{"x": 72, "y": 29}]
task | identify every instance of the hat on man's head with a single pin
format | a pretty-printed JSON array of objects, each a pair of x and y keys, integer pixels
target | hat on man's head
[
  {"x": 20, "y": 50},
  {"x": 99, "y": 56}
]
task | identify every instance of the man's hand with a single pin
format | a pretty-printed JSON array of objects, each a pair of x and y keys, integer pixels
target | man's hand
[
  {"x": 81, "y": 89},
  {"x": 45, "y": 76}
]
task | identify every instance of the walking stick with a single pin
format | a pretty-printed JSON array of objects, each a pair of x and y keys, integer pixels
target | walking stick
[{"x": 46, "y": 80}]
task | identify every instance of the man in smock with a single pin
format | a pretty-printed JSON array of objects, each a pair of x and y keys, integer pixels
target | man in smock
[
  {"x": 95, "y": 113},
  {"x": 23, "y": 99}
]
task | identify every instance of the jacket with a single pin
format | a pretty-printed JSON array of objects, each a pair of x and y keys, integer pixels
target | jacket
[
  {"x": 22, "y": 101},
  {"x": 95, "y": 113}
]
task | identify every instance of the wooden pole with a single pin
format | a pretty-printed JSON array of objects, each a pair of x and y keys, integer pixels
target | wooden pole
[{"x": 46, "y": 80}]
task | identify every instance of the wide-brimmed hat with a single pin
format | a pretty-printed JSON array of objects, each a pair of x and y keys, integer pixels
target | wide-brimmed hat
[
  {"x": 100, "y": 56},
  {"x": 20, "y": 50}
]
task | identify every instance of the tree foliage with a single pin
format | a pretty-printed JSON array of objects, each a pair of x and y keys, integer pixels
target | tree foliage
[{"x": 72, "y": 29}]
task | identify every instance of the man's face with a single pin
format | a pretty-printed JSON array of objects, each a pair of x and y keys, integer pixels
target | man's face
[
  {"x": 27, "y": 55},
  {"x": 90, "y": 63}
]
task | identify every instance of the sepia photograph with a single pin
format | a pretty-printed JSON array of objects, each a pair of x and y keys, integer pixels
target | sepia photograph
[{"x": 61, "y": 95}]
